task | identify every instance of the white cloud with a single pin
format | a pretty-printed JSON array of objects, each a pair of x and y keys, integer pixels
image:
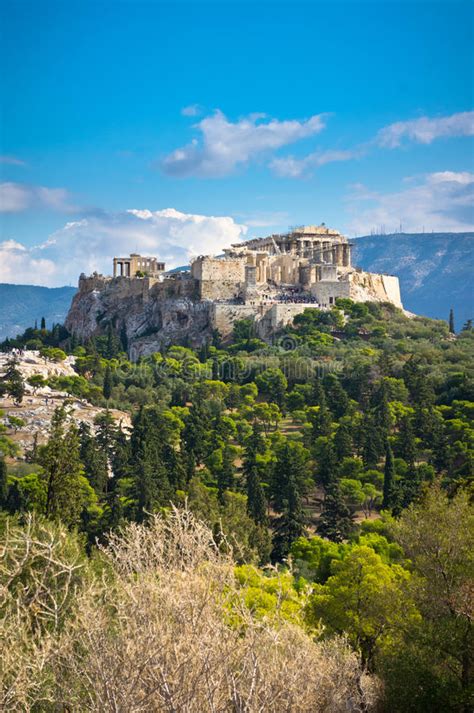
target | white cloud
[
  {"x": 191, "y": 110},
  {"x": 12, "y": 161},
  {"x": 441, "y": 201},
  {"x": 17, "y": 197},
  {"x": 292, "y": 167},
  {"x": 90, "y": 244},
  {"x": 425, "y": 130},
  {"x": 225, "y": 144},
  {"x": 20, "y": 265}
]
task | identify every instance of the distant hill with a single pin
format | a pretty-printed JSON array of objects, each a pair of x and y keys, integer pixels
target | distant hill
[
  {"x": 435, "y": 270},
  {"x": 21, "y": 305}
]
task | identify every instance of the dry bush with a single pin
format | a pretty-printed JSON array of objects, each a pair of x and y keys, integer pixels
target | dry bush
[{"x": 169, "y": 632}]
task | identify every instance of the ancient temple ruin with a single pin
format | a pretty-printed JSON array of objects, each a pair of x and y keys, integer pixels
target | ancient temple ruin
[
  {"x": 137, "y": 265},
  {"x": 269, "y": 280}
]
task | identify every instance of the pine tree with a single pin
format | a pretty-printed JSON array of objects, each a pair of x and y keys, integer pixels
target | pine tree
[
  {"x": 43, "y": 323},
  {"x": 3, "y": 483},
  {"x": 108, "y": 383},
  {"x": 389, "y": 495},
  {"x": 62, "y": 471},
  {"x": 12, "y": 381},
  {"x": 336, "y": 521},
  {"x": 452, "y": 328}
]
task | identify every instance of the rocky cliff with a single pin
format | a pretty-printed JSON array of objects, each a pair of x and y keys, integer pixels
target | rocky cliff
[{"x": 149, "y": 313}]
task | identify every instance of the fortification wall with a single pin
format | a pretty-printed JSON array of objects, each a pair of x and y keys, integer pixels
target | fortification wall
[{"x": 210, "y": 269}]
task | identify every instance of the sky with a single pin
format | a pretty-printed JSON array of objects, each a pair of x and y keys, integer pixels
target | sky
[{"x": 176, "y": 128}]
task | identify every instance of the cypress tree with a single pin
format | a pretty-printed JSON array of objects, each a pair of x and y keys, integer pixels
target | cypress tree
[
  {"x": 389, "y": 479},
  {"x": 3, "y": 483},
  {"x": 291, "y": 524},
  {"x": 60, "y": 459},
  {"x": 452, "y": 328},
  {"x": 225, "y": 475},
  {"x": 43, "y": 323},
  {"x": 337, "y": 398},
  {"x": 406, "y": 441},
  {"x": 371, "y": 441},
  {"x": 256, "y": 502},
  {"x": 94, "y": 460},
  {"x": 107, "y": 386},
  {"x": 343, "y": 441},
  {"x": 321, "y": 422},
  {"x": 327, "y": 464},
  {"x": 289, "y": 467}
]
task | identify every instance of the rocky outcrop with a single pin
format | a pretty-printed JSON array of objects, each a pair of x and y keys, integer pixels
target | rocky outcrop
[{"x": 148, "y": 313}]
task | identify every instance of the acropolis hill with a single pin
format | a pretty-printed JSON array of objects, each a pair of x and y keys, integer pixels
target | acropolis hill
[{"x": 269, "y": 279}]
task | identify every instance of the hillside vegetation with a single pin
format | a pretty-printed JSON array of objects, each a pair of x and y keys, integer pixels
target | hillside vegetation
[{"x": 283, "y": 527}]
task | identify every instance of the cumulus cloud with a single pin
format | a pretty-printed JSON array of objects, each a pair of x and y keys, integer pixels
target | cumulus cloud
[
  {"x": 17, "y": 197},
  {"x": 12, "y": 161},
  {"x": 291, "y": 167},
  {"x": 425, "y": 130},
  {"x": 441, "y": 201},
  {"x": 90, "y": 244},
  {"x": 23, "y": 266},
  {"x": 225, "y": 144}
]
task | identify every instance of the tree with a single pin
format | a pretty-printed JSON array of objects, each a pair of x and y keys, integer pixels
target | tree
[
  {"x": 389, "y": 494},
  {"x": 273, "y": 383},
  {"x": 365, "y": 599},
  {"x": 3, "y": 483},
  {"x": 291, "y": 524},
  {"x": 12, "y": 381},
  {"x": 289, "y": 468},
  {"x": 327, "y": 463},
  {"x": 335, "y": 522},
  {"x": 43, "y": 323},
  {"x": 337, "y": 398},
  {"x": 406, "y": 443},
  {"x": 66, "y": 488},
  {"x": 108, "y": 383},
  {"x": 452, "y": 328},
  {"x": 343, "y": 441},
  {"x": 438, "y": 537},
  {"x": 256, "y": 501},
  {"x": 94, "y": 459},
  {"x": 37, "y": 381},
  {"x": 225, "y": 474}
]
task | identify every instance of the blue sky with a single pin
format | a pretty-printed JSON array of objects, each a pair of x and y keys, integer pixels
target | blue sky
[{"x": 243, "y": 117}]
